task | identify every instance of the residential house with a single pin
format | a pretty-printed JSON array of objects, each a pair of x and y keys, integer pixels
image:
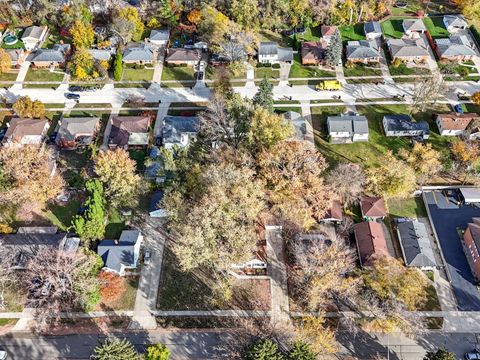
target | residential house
[
  {"x": 300, "y": 125},
  {"x": 402, "y": 125},
  {"x": 179, "y": 130},
  {"x": 313, "y": 52},
  {"x": 159, "y": 37},
  {"x": 408, "y": 50},
  {"x": 470, "y": 195},
  {"x": 471, "y": 246},
  {"x": 372, "y": 30},
  {"x": 179, "y": 56},
  {"x": 413, "y": 27},
  {"x": 371, "y": 242},
  {"x": 129, "y": 131},
  {"x": 328, "y": 32},
  {"x": 155, "y": 209},
  {"x": 17, "y": 56},
  {"x": 25, "y": 132},
  {"x": 138, "y": 53},
  {"x": 416, "y": 247},
  {"x": 271, "y": 53},
  {"x": 347, "y": 128},
  {"x": 50, "y": 58},
  {"x": 453, "y": 23},
  {"x": 455, "y": 48},
  {"x": 373, "y": 208},
  {"x": 123, "y": 254},
  {"x": 102, "y": 54},
  {"x": 334, "y": 214},
  {"x": 75, "y": 132},
  {"x": 34, "y": 36},
  {"x": 155, "y": 166},
  {"x": 455, "y": 124},
  {"x": 363, "y": 51}
]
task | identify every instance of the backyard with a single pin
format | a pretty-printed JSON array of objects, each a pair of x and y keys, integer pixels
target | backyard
[
  {"x": 352, "y": 32},
  {"x": 393, "y": 28},
  {"x": 435, "y": 27},
  {"x": 412, "y": 207}
]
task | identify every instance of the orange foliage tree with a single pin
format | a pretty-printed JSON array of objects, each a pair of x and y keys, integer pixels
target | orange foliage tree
[{"x": 112, "y": 286}]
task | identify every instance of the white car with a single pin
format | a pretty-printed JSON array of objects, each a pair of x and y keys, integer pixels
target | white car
[{"x": 3, "y": 355}]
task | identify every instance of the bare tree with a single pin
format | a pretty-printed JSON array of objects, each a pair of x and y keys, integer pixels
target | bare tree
[
  {"x": 7, "y": 275},
  {"x": 348, "y": 180},
  {"x": 124, "y": 28},
  {"x": 427, "y": 92}
]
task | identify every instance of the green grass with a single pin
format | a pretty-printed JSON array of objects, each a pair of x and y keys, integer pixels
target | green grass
[
  {"x": 8, "y": 76},
  {"x": 352, "y": 32},
  {"x": 137, "y": 74},
  {"x": 435, "y": 27},
  {"x": 412, "y": 7},
  {"x": 410, "y": 207},
  {"x": 53, "y": 39},
  {"x": 43, "y": 75},
  {"x": 362, "y": 70},
  {"x": 269, "y": 73},
  {"x": 115, "y": 225},
  {"x": 61, "y": 215},
  {"x": 393, "y": 28},
  {"x": 127, "y": 300},
  {"x": 311, "y": 34},
  {"x": 299, "y": 71},
  {"x": 4, "y": 322},
  {"x": 403, "y": 69},
  {"x": 177, "y": 73},
  {"x": 18, "y": 44},
  {"x": 268, "y": 35}
]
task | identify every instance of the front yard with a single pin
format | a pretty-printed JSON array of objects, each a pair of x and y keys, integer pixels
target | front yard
[
  {"x": 404, "y": 69},
  {"x": 300, "y": 71},
  {"x": 130, "y": 74},
  {"x": 8, "y": 76},
  {"x": 371, "y": 69},
  {"x": 267, "y": 72},
  {"x": 43, "y": 75},
  {"x": 127, "y": 300},
  {"x": 170, "y": 73},
  {"x": 456, "y": 71}
]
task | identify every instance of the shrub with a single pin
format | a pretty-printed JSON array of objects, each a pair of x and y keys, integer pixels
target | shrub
[
  {"x": 118, "y": 67},
  {"x": 276, "y": 66},
  {"x": 397, "y": 62},
  {"x": 139, "y": 66}
]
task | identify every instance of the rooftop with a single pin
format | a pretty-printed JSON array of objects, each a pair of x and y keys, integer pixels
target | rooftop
[
  {"x": 373, "y": 206},
  {"x": 416, "y": 247},
  {"x": 371, "y": 241}
]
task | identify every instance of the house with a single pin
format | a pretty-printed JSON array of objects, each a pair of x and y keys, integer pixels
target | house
[
  {"x": 34, "y": 36},
  {"x": 179, "y": 56},
  {"x": 371, "y": 242},
  {"x": 25, "y": 132},
  {"x": 347, "y": 128},
  {"x": 363, "y": 51},
  {"x": 129, "y": 131},
  {"x": 300, "y": 125},
  {"x": 54, "y": 57},
  {"x": 179, "y": 130},
  {"x": 453, "y": 23},
  {"x": 334, "y": 214},
  {"x": 455, "y": 124},
  {"x": 408, "y": 50},
  {"x": 373, "y": 208},
  {"x": 271, "y": 53},
  {"x": 75, "y": 132},
  {"x": 470, "y": 195},
  {"x": 155, "y": 209},
  {"x": 455, "y": 48},
  {"x": 17, "y": 56},
  {"x": 28, "y": 242},
  {"x": 102, "y": 54},
  {"x": 159, "y": 37},
  {"x": 471, "y": 246},
  {"x": 122, "y": 254},
  {"x": 328, "y": 32},
  {"x": 416, "y": 247},
  {"x": 313, "y": 52},
  {"x": 372, "y": 30},
  {"x": 413, "y": 27},
  {"x": 402, "y": 125},
  {"x": 138, "y": 53}
]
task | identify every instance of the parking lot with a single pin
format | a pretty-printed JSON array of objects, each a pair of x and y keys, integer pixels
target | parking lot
[{"x": 448, "y": 216}]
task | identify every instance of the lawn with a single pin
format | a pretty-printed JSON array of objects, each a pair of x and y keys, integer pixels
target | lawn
[
  {"x": 127, "y": 300},
  {"x": 403, "y": 69},
  {"x": 412, "y": 7},
  {"x": 53, "y": 39},
  {"x": 8, "y": 76},
  {"x": 210, "y": 73},
  {"x": 393, "y": 28},
  {"x": 457, "y": 69},
  {"x": 435, "y": 27},
  {"x": 115, "y": 225},
  {"x": 267, "y": 72},
  {"x": 362, "y": 70},
  {"x": 43, "y": 75},
  {"x": 18, "y": 44},
  {"x": 137, "y": 74},
  {"x": 411, "y": 207},
  {"x": 268, "y": 35},
  {"x": 311, "y": 34},
  {"x": 61, "y": 215},
  {"x": 352, "y": 32},
  {"x": 299, "y": 71},
  {"x": 177, "y": 73}
]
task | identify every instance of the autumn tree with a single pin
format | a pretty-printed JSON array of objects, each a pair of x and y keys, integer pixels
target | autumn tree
[
  {"x": 213, "y": 25},
  {"x": 312, "y": 330},
  {"x": 5, "y": 61},
  {"x": 245, "y": 13},
  {"x": 116, "y": 170},
  {"x": 266, "y": 129},
  {"x": 82, "y": 65},
  {"x": 114, "y": 349},
  {"x": 264, "y": 96},
  {"x": 112, "y": 286},
  {"x": 476, "y": 98},
  {"x": 391, "y": 177},
  {"x": 167, "y": 14},
  {"x": 440, "y": 354},
  {"x": 194, "y": 17},
  {"x": 153, "y": 23},
  {"x": 26, "y": 108},
  {"x": 470, "y": 8},
  {"x": 423, "y": 159},
  {"x": 157, "y": 352},
  {"x": 82, "y": 34},
  {"x": 465, "y": 153},
  {"x": 348, "y": 181}
]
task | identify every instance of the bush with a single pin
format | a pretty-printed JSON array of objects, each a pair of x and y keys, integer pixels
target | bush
[
  {"x": 118, "y": 67},
  {"x": 463, "y": 71},
  {"x": 397, "y": 62},
  {"x": 276, "y": 66},
  {"x": 139, "y": 66}
]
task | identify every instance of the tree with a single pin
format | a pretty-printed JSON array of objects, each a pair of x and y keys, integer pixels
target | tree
[
  {"x": 114, "y": 349},
  {"x": 5, "y": 61},
  {"x": 334, "y": 50},
  {"x": 117, "y": 172},
  {"x": 82, "y": 64},
  {"x": 440, "y": 354},
  {"x": 348, "y": 180},
  {"x": 124, "y": 28},
  {"x": 26, "y": 108},
  {"x": 131, "y": 15},
  {"x": 264, "y": 350},
  {"x": 476, "y": 98},
  {"x": 194, "y": 17},
  {"x": 112, "y": 286},
  {"x": 427, "y": 92},
  {"x": 313, "y": 331},
  {"x": 166, "y": 13},
  {"x": 82, "y": 34},
  {"x": 213, "y": 25},
  {"x": 466, "y": 153},
  {"x": 423, "y": 159},
  {"x": 90, "y": 226},
  {"x": 266, "y": 130},
  {"x": 301, "y": 351},
  {"x": 118, "y": 67},
  {"x": 470, "y": 8},
  {"x": 157, "y": 352},
  {"x": 264, "y": 96},
  {"x": 245, "y": 12},
  {"x": 153, "y": 23},
  {"x": 391, "y": 178}
]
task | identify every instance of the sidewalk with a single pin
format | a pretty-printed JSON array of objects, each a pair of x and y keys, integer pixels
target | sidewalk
[
  {"x": 21, "y": 76},
  {"x": 307, "y": 114}
]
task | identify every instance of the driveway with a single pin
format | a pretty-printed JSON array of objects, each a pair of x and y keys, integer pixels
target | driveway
[{"x": 447, "y": 217}]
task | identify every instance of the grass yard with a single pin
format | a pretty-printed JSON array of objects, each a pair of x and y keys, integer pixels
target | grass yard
[
  {"x": 435, "y": 27},
  {"x": 53, "y": 39},
  {"x": 177, "y": 73},
  {"x": 352, "y": 32},
  {"x": 403, "y": 69},
  {"x": 9, "y": 76},
  {"x": 43, "y": 75},
  {"x": 299, "y": 71},
  {"x": 393, "y": 28},
  {"x": 210, "y": 73},
  {"x": 115, "y": 225},
  {"x": 269, "y": 73},
  {"x": 61, "y": 215},
  {"x": 18, "y": 44},
  {"x": 362, "y": 70},
  {"x": 411, "y": 207},
  {"x": 311, "y": 34},
  {"x": 137, "y": 74},
  {"x": 268, "y": 35},
  {"x": 412, "y": 7},
  {"x": 454, "y": 70},
  {"x": 127, "y": 300}
]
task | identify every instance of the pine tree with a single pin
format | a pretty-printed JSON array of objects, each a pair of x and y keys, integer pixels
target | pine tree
[
  {"x": 264, "y": 96},
  {"x": 166, "y": 13},
  {"x": 157, "y": 352},
  {"x": 264, "y": 350},
  {"x": 334, "y": 50},
  {"x": 440, "y": 354},
  {"x": 118, "y": 67},
  {"x": 114, "y": 349},
  {"x": 301, "y": 351}
]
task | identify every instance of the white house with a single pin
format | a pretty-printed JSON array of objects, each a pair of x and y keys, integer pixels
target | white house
[
  {"x": 402, "y": 125},
  {"x": 455, "y": 124},
  {"x": 123, "y": 254},
  {"x": 347, "y": 128},
  {"x": 413, "y": 27},
  {"x": 271, "y": 53},
  {"x": 34, "y": 36},
  {"x": 159, "y": 37},
  {"x": 372, "y": 30},
  {"x": 179, "y": 130}
]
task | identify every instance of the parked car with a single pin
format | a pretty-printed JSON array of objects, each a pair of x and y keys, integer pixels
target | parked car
[
  {"x": 473, "y": 355},
  {"x": 200, "y": 75},
  {"x": 147, "y": 256},
  {"x": 458, "y": 108},
  {"x": 2, "y": 135},
  {"x": 72, "y": 96},
  {"x": 299, "y": 30},
  {"x": 3, "y": 355},
  {"x": 287, "y": 32},
  {"x": 75, "y": 88}
]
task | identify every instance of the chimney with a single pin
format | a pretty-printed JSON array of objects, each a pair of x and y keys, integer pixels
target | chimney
[
  {"x": 8, "y": 125},
  {"x": 115, "y": 241}
]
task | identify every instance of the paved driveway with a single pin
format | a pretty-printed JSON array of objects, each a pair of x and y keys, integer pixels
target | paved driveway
[{"x": 447, "y": 216}]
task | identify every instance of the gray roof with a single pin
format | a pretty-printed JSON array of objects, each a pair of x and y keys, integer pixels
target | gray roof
[
  {"x": 33, "y": 32},
  {"x": 160, "y": 34},
  {"x": 117, "y": 253},
  {"x": 138, "y": 52},
  {"x": 175, "y": 126},
  {"x": 285, "y": 54},
  {"x": 455, "y": 21},
  {"x": 71, "y": 127},
  {"x": 404, "y": 123},
  {"x": 362, "y": 49},
  {"x": 416, "y": 247},
  {"x": 455, "y": 46},
  {"x": 101, "y": 54},
  {"x": 298, "y": 122},
  {"x": 372, "y": 27},
  {"x": 353, "y": 124},
  {"x": 414, "y": 25},
  {"x": 157, "y": 196},
  {"x": 268, "y": 48},
  {"x": 56, "y": 54},
  {"x": 408, "y": 47}
]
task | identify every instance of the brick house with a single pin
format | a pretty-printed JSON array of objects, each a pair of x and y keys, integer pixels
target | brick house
[
  {"x": 471, "y": 246},
  {"x": 180, "y": 56},
  {"x": 314, "y": 52}
]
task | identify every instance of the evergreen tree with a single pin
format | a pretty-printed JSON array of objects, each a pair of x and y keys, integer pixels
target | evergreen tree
[
  {"x": 114, "y": 349},
  {"x": 157, "y": 352},
  {"x": 264, "y": 350},
  {"x": 118, "y": 67},
  {"x": 301, "y": 351},
  {"x": 264, "y": 96},
  {"x": 167, "y": 14},
  {"x": 440, "y": 354},
  {"x": 334, "y": 50}
]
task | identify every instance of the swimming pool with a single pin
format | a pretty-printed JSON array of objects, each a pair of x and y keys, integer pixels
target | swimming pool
[{"x": 10, "y": 39}]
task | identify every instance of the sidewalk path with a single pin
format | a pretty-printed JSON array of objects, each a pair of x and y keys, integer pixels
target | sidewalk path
[
  {"x": 161, "y": 113},
  {"x": 250, "y": 76},
  {"x": 21, "y": 75},
  {"x": 307, "y": 114}
]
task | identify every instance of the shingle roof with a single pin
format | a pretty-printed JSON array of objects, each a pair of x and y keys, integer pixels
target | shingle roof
[
  {"x": 175, "y": 126},
  {"x": 372, "y": 27},
  {"x": 123, "y": 127},
  {"x": 34, "y": 32},
  {"x": 474, "y": 228},
  {"x": 371, "y": 241},
  {"x": 455, "y": 46},
  {"x": 285, "y": 54},
  {"x": 362, "y": 49},
  {"x": 328, "y": 30},
  {"x": 455, "y": 21},
  {"x": 403, "y": 122},
  {"x": 56, "y": 54},
  {"x": 117, "y": 253},
  {"x": 18, "y": 128},
  {"x": 315, "y": 50},
  {"x": 138, "y": 52},
  {"x": 72, "y": 127},
  {"x": 157, "y": 196},
  {"x": 351, "y": 123},
  {"x": 160, "y": 34},
  {"x": 182, "y": 54},
  {"x": 373, "y": 206},
  {"x": 101, "y": 54},
  {"x": 414, "y": 25},
  {"x": 408, "y": 47},
  {"x": 456, "y": 121},
  {"x": 416, "y": 247},
  {"x": 268, "y": 48}
]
